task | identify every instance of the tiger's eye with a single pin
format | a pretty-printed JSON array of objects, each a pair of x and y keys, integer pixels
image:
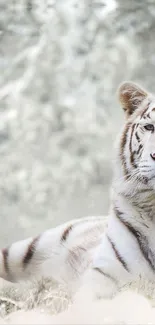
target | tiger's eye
[{"x": 149, "y": 127}]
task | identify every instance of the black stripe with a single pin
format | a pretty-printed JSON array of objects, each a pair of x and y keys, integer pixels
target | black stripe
[
  {"x": 141, "y": 240},
  {"x": 144, "y": 111},
  {"x": 68, "y": 229},
  {"x": 30, "y": 252},
  {"x": 66, "y": 233},
  {"x": 132, "y": 153},
  {"x": 117, "y": 254},
  {"x": 140, "y": 147},
  {"x": 131, "y": 136},
  {"x": 8, "y": 275},
  {"x": 137, "y": 136},
  {"x": 5, "y": 253},
  {"x": 122, "y": 148},
  {"x": 105, "y": 274}
]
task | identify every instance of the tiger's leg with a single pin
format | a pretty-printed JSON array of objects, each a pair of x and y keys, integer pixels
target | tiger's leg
[
  {"x": 118, "y": 260},
  {"x": 109, "y": 272},
  {"x": 62, "y": 253}
]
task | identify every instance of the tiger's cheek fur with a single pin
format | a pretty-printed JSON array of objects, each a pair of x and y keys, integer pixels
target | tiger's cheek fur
[
  {"x": 146, "y": 163},
  {"x": 131, "y": 148},
  {"x": 136, "y": 146}
]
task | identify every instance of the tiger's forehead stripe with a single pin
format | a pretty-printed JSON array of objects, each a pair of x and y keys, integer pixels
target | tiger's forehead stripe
[
  {"x": 150, "y": 113},
  {"x": 152, "y": 105},
  {"x": 147, "y": 114}
]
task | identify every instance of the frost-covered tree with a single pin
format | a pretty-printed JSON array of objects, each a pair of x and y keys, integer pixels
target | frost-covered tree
[{"x": 61, "y": 62}]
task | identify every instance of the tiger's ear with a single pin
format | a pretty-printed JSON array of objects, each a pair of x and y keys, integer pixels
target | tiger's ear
[{"x": 131, "y": 96}]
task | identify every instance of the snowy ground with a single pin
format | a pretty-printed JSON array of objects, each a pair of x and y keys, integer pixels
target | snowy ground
[
  {"x": 46, "y": 303},
  {"x": 126, "y": 308}
]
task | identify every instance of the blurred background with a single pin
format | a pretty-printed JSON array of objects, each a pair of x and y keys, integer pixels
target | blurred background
[{"x": 60, "y": 65}]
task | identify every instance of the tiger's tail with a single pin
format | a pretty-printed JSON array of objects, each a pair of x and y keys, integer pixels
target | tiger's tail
[{"x": 62, "y": 253}]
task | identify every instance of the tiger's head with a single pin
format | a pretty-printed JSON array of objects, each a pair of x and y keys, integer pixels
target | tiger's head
[{"x": 137, "y": 142}]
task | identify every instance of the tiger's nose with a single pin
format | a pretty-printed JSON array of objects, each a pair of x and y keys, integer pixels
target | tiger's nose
[{"x": 152, "y": 155}]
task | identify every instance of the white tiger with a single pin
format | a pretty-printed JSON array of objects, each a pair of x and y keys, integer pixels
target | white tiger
[{"x": 83, "y": 251}]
